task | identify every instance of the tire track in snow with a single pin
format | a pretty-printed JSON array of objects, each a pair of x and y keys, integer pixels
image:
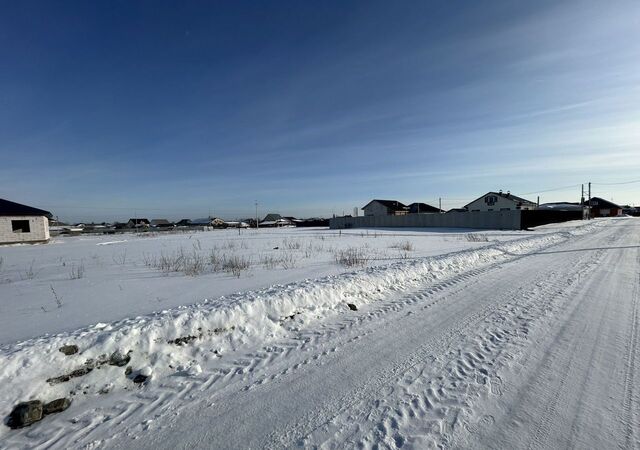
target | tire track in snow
[
  {"x": 630, "y": 416},
  {"x": 460, "y": 372},
  {"x": 571, "y": 375}
]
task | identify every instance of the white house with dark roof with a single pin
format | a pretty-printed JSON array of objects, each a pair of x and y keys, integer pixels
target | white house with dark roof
[
  {"x": 21, "y": 223},
  {"x": 499, "y": 201}
]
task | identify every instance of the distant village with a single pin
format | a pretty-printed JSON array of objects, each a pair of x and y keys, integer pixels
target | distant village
[
  {"x": 25, "y": 224},
  {"x": 142, "y": 223}
]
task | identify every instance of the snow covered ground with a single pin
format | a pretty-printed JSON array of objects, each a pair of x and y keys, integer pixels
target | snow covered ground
[
  {"x": 521, "y": 340},
  {"x": 106, "y": 278}
]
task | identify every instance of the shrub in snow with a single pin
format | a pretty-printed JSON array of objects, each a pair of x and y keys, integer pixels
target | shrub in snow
[
  {"x": 77, "y": 272},
  {"x": 269, "y": 261},
  {"x": 471, "y": 237},
  {"x": 30, "y": 274},
  {"x": 406, "y": 246},
  {"x": 351, "y": 257},
  {"x": 236, "y": 264},
  {"x": 288, "y": 260}
]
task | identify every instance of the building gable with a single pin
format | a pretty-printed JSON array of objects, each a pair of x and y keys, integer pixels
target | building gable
[{"x": 496, "y": 201}]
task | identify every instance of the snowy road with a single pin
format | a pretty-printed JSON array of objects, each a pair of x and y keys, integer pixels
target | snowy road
[{"x": 540, "y": 351}]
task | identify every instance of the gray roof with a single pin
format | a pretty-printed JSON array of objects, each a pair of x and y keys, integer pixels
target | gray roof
[
  {"x": 422, "y": 207},
  {"x": 202, "y": 221},
  {"x": 271, "y": 217},
  {"x": 160, "y": 222},
  {"x": 391, "y": 204}
]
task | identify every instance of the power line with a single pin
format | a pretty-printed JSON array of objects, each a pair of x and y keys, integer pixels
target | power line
[
  {"x": 553, "y": 189},
  {"x": 615, "y": 184}
]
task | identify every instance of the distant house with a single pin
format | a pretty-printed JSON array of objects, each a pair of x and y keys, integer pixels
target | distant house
[
  {"x": 385, "y": 208},
  {"x": 561, "y": 206},
  {"x": 209, "y": 222},
  {"x": 271, "y": 217},
  {"x": 183, "y": 223},
  {"x": 631, "y": 210},
  {"x": 311, "y": 222},
  {"x": 236, "y": 224},
  {"x": 161, "y": 223},
  {"x": 276, "y": 220},
  {"x": 22, "y": 223},
  {"x": 499, "y": 201},
  {"x": 422, "y": 208},
  {"x": 250, "y": 221},
  {"x": 202, "y": 222},
  {"x": 603, "y": 208},
  {"x": 138, "y": 223},
  {"x": 218, "y": 223},
  {"x": 282, "y": 222}
]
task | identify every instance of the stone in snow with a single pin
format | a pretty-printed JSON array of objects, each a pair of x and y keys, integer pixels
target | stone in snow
[
  {"x": 69, "y": 349},
  {"x": 143, "y": 375},
  {"x": 139, "y": 379},
  {"x": 25, "y": 414},
  {"x": 56, "y": 406},
  {"x": 118, "y": 359},
  {"x": 352, "y": 307}
]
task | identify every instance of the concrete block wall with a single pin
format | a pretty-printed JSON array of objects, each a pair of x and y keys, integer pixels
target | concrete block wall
[
  {"x": 494, "y": 220},
  {"x": 39, "y": 230}
]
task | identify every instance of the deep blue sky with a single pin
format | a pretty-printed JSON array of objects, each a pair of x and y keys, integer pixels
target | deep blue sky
[{"x": 178, "y": 109}]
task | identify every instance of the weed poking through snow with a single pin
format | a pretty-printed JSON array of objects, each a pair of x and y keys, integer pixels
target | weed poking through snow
[{"x": 352, "y": 257}]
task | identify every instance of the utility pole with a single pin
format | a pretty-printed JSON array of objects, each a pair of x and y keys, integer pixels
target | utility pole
[
  {"x": 440, "y": 204},
  {"x": 582, "y": 204},
  {"x": 589, "y": 207},
  {"x": 257, "y": 223}
]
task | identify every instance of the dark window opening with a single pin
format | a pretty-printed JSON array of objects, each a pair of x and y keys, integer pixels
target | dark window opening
[{"x": 20, "y": 226}]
